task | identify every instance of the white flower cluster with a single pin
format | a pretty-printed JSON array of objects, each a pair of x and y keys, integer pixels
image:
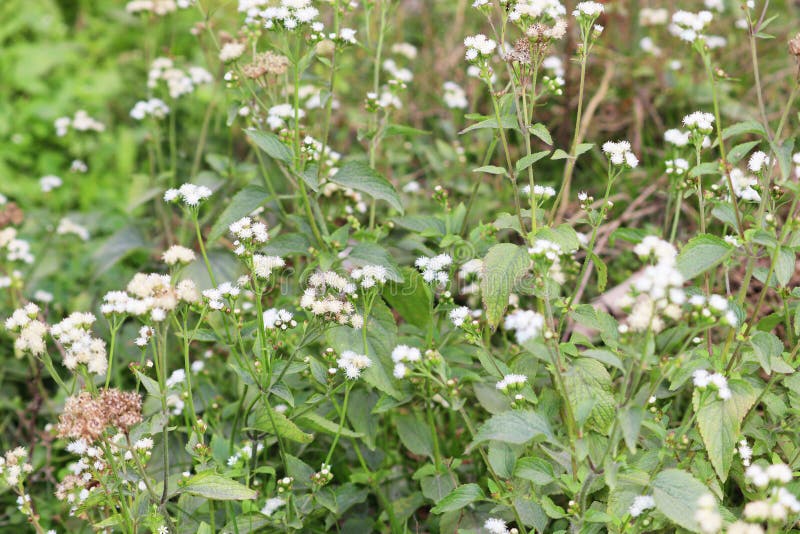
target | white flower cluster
[
  {"x": 551, "y": 253},
  {"x": 707, "y": 516},
  {"x": 402, "y": 355},
  {"x": 385, "y": 100},
  {"x": 248, "y": 234},
  {"x": 640, "y": 504},
  {"x": 278, "y": 115},
  {"x": 151, "y": 294},
  {"x": 658, "y": 288},
  {"x": 67, "y": 226},
  {"x": 49, "y": 183},
  {"x": 649, "y": 16},
  {"x": 703, "y": 379},
  {"x": 511, "y": 381},
  {"x": 16, "y": 249},
  {"x": 217, "y": 296},
  {"x": 31, "y": 331},
  {"x": 370, "y": 276},
  {"x": 460, "y": 314},
  {"x": 540, "y": 191},
  {"x": 291, "y": 15},
  {"x": 80, "y": 122},
  {"x": 328, "y": 295},
  {"x": 13, "y": 466},
  {"x": 189, "y": 194},
  {"x": 699, "y": 121},
  {"x": 714, "y": 306},
  {"x": 177, "y": 254},
  {"x": 758, "y": 161},
  {"x": 397, "y": 73},
  {"x": 275, "y": 318},
  {"x": 743, "y": 186},
  {"x": 79, "y": 345},
  {"x": 272, "y": 505},
  {"x": 527, "y": 324},
  {"x": 688, "y": 26},
  {"x": 536, "y": 9},
  {"x": 619, "y": 153},
  {"x": 677, "y": 166},
  {"x": 264, "y": 265},
  {"x": 454, "y": 96},
  {"x": 154, "y": 107},
  {"x": 676, "y": 137},
  {"x": 778, "y": 503},
  {"x": 479, "y": 47},
  {"x": 495, "y": 525},
  {"x": 157, "y": 7},
  {"x": 588, "y": 10},
  {"x": 231, "y": 50},
  {"x": 178, "y": 82},
  {"x": 353, "y": 364},
  {"x": 470, "y": 274},
  {"x": 435, "y": 269},
  {"x": 745, "y": 452}
]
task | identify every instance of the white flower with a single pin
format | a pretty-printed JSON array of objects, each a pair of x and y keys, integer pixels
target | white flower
[
  {"x": 278, "y": 318},
  {"x": 263, "y": 265},
  {"x": 405, "y": 353},
  {"x": 231, "y": 50},
  {"x": 640, "y": 504},
  {"x": 699, "y": 121},
  {"x": 511, "y": 380},
  {"x": 479, "y": 46},
  {"x": 495, "y": 526},
  {"x": 353, "y": 363},
  {"x": 454, "y": 96},
  {"x": 588, "y": 10},
  {"x": 67, "y": 226},
  {"x": 50, "y": 182},
  {"x": 620, "y": 153},
  {"x": 154, "y": 107},
  {"x": 758, "y": 160},
  {"x": 370, "y": 276},
  {"x": 687, "y": 26},
  {"x": 459, "y": 315},
  {"x": 527, "y": 324},
  {"x": 189, "y": 194},
  {"x": 272, "y": 505},
  {"x": 745, "y": 452},
  {"x": 433, "y": 269},
  {"x": 178, "y": 254},
  {"x": 676, "y": 137}
]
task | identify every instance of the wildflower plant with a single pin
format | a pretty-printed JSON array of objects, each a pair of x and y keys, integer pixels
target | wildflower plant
[{"x": 512, "y": 266}]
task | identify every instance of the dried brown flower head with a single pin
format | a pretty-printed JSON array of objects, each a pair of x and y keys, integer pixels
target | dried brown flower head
[
  {"x": 266, "y": 63},
  {"x": 87, "y": 417},
  {"x": 521, "y": 52},
  {"x": 10, "y": 214},
  {"x": 794, "y": 46}
]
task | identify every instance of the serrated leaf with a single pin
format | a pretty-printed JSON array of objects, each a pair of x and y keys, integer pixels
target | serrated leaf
[
  {"x": 676, "y": 493},
  {"x": 702, "y": 169},
  {"x": 491, "y": 169},
  {"x": 217, "y": 487},
  {"x": 702, "y": 253},
  {"x": 283, "y": 427},
  {"x": 270, "y": 144},
  {"x": 588, "y": 387},
  {"x": 530, "y": 159},
  {"x": 503, "y": 266},
  {"x": 766, "y": 346},
  {"x": 359, "y": 176},
  {"x": 719, "y": 424},
  {"x": 414, "y": 434},
  {"x": 242, "y": 204},
  {"x": 540, "y": 131},
  {"x": 459, "y": 498},
  {"x": 515, "y": 426}
]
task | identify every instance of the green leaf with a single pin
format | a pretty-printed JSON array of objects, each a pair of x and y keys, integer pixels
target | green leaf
[
  {"x": 738, "y": 152},
  {"x": 710, "y": 167},
  {"x": 284, "y": 427},
  {"x": 507, "y": 122},
  {"x": 631, "y": 422},
  {"x": 719, "y": 424},
  {"x": 588, "y": 387},
  {"x": 746, "y": 127},
  {"x": 559, "y": 154},
  {"x": 503, "y": 266},
  {"x": 371, "y": 254},
  {"x": 702, "y": 253},
  {"x": 359, "y": 176},
  {"x": 459, "y": 498},
  {"x": 217, "y": 487},
  {"x": 415, "y": 435},
  {"x": 121, "y": 243},
  {"x": 784, "y": 266},
  {"x": 321, "y": 424},
  {"x": 242, "y": 204},
  {"x": 287, "y": 244},
  {"x": 270, "y": 144},
  {"x": 583, "y": 148},
  {"x": 491, "y": 169},
  {"x": 676, "y": 493},
  {"x": 411, "y": 299},
  {"x": 540, "y": 131},
  {"x": 602, "y": 271},
  {"x": 515, "y": 426},
  {"x": 766, "y": 346},
  {"x": 530, "y": 159}
]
